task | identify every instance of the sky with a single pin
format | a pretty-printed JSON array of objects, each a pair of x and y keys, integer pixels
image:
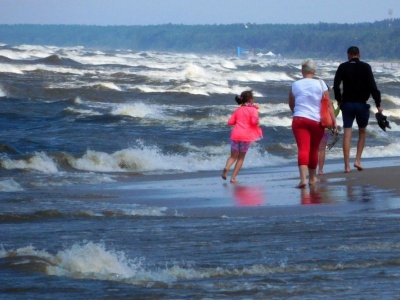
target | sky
[{"x": 195, "y": 12}]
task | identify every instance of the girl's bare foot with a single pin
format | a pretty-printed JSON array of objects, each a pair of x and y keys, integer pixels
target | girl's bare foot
[{"x": 224, "y": 172}]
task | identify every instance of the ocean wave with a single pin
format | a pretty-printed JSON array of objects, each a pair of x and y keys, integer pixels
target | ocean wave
[
  {"x": 95, "y": 261},
  {"x": 7, "y": 149},
  {"x": 38, "y": 162},
  {"x": 393, "y": 99},
  {"x": 228, "y": 64},
  {"x": 9, "y": 68},
  {"x": 150, "y": 159},
  {"x": 140, "y": 159},
  {"x": 56, "y": 59},
  {"x": 140, "y": 110},
  {"x": 86, "y": 112},
  {"x": 10, "y": 185},
  {"x": 260, "y": 76},
  {"x": 106, "y": 86},
  {"x": 105, "y": 213}
]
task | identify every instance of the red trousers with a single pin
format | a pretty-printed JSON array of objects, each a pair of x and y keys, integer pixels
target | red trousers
[{"x": 308, "y": 134}]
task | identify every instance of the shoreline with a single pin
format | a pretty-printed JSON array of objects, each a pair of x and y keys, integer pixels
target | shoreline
[
  {"x": 381, "y": 173},
  {"x": 380, "y": 177},
  {"x": 267, "y": 191}
]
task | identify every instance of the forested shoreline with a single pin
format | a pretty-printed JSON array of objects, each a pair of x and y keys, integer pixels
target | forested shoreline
[{"x": 377, "y": 40}]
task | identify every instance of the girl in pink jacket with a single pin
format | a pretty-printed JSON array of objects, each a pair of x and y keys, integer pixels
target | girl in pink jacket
[{"x": 246, "y": 130}]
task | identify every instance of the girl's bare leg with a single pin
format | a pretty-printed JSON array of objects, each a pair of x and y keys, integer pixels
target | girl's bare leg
[
  {"x": 321, "y": 157},
  {"x": 229, "y": 162},
  {"x": 238, "y": 165}
]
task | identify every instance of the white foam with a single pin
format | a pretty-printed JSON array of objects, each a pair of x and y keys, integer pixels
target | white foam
[
  {"x": 62, "y": 70},
  {"x": 2, "y": 93},
  {"x": 10, "y": 185},
  {"x": 96, "y": 161},
  {"x": 139, "y": 110},
  {"x": 145, "y": 211},
  {"x": 38, "y": 162},
  {"x": 391, "y": 98},
  {"x": 196, "y": 73},
  {"x": 151, "y": 113},
  {"x": 8, "y": 68},
  {"x": 391, "y": 150},
  {"x": 261, "y": 76},
  {"x": 88, "y": 112},
  {"x": 92, "y": 261},
  {"x": 151, "y": 160},
  {"x": 228, "y": 64},
  {"x": 107, "y": 86}
]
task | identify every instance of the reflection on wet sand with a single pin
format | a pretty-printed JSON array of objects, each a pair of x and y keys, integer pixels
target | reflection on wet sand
[
  {"x": 249, "y": 195},
  {"x": 318, "y": 194},
  {"x": 311, "y": 195}
]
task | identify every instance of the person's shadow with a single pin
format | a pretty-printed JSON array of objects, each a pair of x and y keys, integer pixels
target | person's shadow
[{"x": 248, "y": 195}]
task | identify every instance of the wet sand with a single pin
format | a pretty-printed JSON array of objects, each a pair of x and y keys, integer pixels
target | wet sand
[
  {"x": 267, "y": 191},
  {"x": 387, "y": 178}
]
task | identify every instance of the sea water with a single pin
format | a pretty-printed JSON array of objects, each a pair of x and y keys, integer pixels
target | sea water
[{"x": 110, "y": 188}]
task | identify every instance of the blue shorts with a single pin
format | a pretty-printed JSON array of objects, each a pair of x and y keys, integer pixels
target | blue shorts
[
  {"x": 240, "y": 146},
  {"x": 355, "y": 110}
]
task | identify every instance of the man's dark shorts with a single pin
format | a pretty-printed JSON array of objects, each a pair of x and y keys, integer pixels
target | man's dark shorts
[{"x": 355, "y": 110}]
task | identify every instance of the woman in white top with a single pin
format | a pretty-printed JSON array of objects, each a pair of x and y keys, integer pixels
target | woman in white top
[{"x": 305, "y": 103}]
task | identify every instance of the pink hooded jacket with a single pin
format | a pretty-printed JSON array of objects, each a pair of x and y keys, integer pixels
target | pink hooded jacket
[{"x": 245, "y": 120}]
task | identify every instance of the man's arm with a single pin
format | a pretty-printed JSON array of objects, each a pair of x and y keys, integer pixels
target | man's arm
[
  {"x": 376, "y": 94},
  {"x": 336, "y": 86}
]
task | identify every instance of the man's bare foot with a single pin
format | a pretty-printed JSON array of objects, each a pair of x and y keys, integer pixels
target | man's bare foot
[
  {"x": 347, "y": 168},
  {"x": 358, "y": 167},
  {"x": 224, "y": 172}
]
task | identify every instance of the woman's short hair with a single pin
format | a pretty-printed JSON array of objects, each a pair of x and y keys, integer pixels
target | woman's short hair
[{"x": 308, "y": 66}]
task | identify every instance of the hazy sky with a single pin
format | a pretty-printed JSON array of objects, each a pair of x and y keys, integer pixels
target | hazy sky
[{"x": 152, "y": 12}]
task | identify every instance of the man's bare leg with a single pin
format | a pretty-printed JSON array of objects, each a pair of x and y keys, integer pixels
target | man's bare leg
[
  {"x": 346, "y": 149},
  {"x": 362, "y": 133}
]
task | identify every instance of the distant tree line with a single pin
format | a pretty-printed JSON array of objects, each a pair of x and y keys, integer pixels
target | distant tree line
[{"x": 377, "y": 40}]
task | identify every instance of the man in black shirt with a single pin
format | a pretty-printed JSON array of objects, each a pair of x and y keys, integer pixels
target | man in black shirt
[{"x": 358, "y": 85}]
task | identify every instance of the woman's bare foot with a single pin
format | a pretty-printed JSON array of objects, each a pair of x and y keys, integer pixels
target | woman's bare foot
[
  {"x": 358, "y": 167},
  {"x": 320, "y": 172},
  {"x": 233, "y": 180},
  {"x": 313, "y": 181},
  {"x": 224, "y": 173},
  {"x": 301, "y": 185}
]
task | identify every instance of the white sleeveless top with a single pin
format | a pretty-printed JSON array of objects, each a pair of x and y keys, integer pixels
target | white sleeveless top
[{"x": 307, "y": 93}]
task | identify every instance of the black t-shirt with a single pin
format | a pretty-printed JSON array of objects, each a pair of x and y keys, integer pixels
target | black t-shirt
[{"x": 358, "y": 83}]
